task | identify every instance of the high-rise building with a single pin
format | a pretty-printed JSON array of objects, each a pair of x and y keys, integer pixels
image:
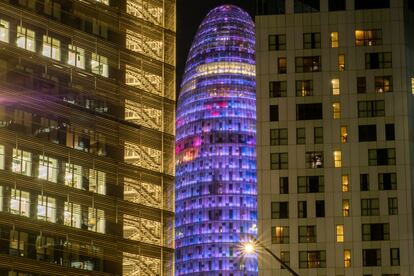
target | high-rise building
[
  {"x": 215, "y": 148},
  {"x": 335, "y": 85},
  {"x": 87, "y": 100}
]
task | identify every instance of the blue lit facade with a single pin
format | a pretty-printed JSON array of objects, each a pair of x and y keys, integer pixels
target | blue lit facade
[{"x": 216, "y": 204}]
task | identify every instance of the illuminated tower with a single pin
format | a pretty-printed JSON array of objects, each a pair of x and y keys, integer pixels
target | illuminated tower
[{"x": 215, "y": 148}]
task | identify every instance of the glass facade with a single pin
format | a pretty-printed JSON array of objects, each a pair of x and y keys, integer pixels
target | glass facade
[{"x": 215, "y": 148}]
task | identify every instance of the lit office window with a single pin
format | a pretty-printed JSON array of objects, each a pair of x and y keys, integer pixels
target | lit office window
[
  {"x": 48, "y": 168},
  {"x": 335, "y": 87},
  {"x": 4, "y": 31},
  {"x": 344, "y": 134},
  {"x": 51, "y": 47},
  {"x": 46, "y": 208},
  {"x": 341, "y": 62},
  {"x": 19, "y": 244},
  {"x": 346, "y": 209},
  {"x": 26, "y": 39},
  {"x": 99, "y": 65},
  {"x": 73, "y": 176},
  {"x": 96, "y": 220},
  {"x": 345, "y": 183},
  {"x": 368, "y": 37},
  {"x": 20, "y": 202},
  {"x": 22, "y": 162},
  {"x": 72, "y": 215},
  {"x": 336, "y": 110},
  {"x": 97, "y": 181},
  {"x": 340, "y": 233},
  {"x": 334, "y": 40},
  {"x": 337, "y": 158},
  {"x": 105, "y": 2},
  {"x": 2, "y": 155},
  {"x": 1, "y": 198},
  {"x": 76, "y": 56},
  {"x": 347, "y": 258},
  {"x": 412, "y": 85}
]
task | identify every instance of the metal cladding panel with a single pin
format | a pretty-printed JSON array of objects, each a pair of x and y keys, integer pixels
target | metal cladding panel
[{"x": 216, "y": 197}]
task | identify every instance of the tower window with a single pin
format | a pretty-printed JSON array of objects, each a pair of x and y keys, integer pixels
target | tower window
[
  {"x": 378, "y": 60},
  {"x": 282, "y": 65},
  {"x": 26, "y": 39},
  {"x": 277, "y": 89},
  {"x": 304, "y": 88},
  {"x": 277, "y": 42},
  {"x": 334, "y": 40},
  {"x": 383, "y": 84},
  {"x": 312, "y": 40}
]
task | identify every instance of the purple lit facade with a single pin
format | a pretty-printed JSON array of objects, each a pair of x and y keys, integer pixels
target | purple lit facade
[{"x": 216, "y": 204}]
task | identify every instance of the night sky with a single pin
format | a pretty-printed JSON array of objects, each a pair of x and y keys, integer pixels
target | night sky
[{"x": 190, "y": 13}]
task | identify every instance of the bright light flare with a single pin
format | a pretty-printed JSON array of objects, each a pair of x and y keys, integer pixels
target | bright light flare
[{"x": 249, "y": 248}]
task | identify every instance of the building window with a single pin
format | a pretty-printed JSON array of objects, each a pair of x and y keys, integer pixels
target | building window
[
  {"x": 307, "y": 234},
  {"x": 378, "y": 60},
  {"x": 341, "y": 62},
  {"x": 277, "y": 42},
  {"x": 97, "y": 180},
  {"x": 335, "y": 89},
  {"x": 371, "y": 257},
  {"x": 4, "y": 30},
  {"x": 367, "y": 133},
  {"x": 51, "y": 47},
  {"x": 347, "y": 258},
  {"x": 279, "y": 161},
  {"x": 370, "y": 207},
  {"x": 412, "y": 85},
  {"x": 19, "y": 244},
  {"x": 337, "y": 154},
  {"x": 393, "y": 206},
  {"x": 76, "y": 56},
  {"x": 26, "y": 39},
  {"x": 320, "y": 208},
  {"x": 302, "y": 209},
  {"x": 282, "y": 65},
  {"x": 373, "y": 4},
  {"x": 318, "y": 135},
  {"x": 280, "y": 210},
  {"x": 383, "y": 84},
  {"x": 20, "y": 202},
  {"x": 48, "y": 168},
  {"x": 344, "y": 134},
  {"x": 312, "y": 259},
  {"x": 395, "y": 256},
  {"x": 376, "y": 232},
  {"x": 368, "y": 37},
  {"x": 99, "y": 65},
  {"x": 387, "y": 181},
  {"x": 278, "y": 136},
  {"x": 308, "y": 64},
  {"x": 346, "y": 208},
  {"x": 314, "y": 159},
  {"x": 309, "y": 111},
  {"x": 52, "y": 8},
  {"x": 334, "y": 40},
  {"x": 312, "y": 40},
  {"x": 280, "y": 234},
  {"x": 345, "y": 183},
  {"x": 285, "y": 258},
  {"x": 389, "y": 132},
  {"x": 105, "y": 2},
  {"x": 304, "y": 6},
  {"x": 371, "y": 109},
  {"x": 73, "y": 176},
  {"x": 46, "y": 208},
  {"x": 304, "y": 88},
  {"x": 96, "y": 220},
  {"x": 277, "y": 89},
  {"x": 310, "y": 184},
  {"x": 336, "y": 110},
  {"x": 72, "y": 215},
  {"x": 44, "y": 248},
  {"x": 274, "y": 113},
  {"x": 381, "y": 157},
  {"x": 361, "y": 85},
  {"x": 22, "y": 162},
  {"x": 284, "y": 185},
  {"x": 364, "y": 182},
  {"x": 2, "y": 156},
  {"x": 340, "y": 233},
  {"x": 300, "y": 136}
]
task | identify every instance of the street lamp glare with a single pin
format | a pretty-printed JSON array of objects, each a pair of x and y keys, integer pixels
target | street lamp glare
[{"x": 249, "y": 248}]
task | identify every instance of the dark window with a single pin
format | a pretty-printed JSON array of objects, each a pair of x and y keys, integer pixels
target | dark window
[
  {"x": 367, "y": 133},
  {"x": 370, "y": 207},
  {"x": 304, "y": 88},
  {"x": 372, "y": 4},
  {"x": 280, "y": 210},
  {"x": 277, "y": 42},
  {"x": 337, "y": 5},
  {"x": 381, "y": 157},
  {"x": 277, "y": 89},
  {"x": 376, "y": 232},
  {"x": 312, "y": 259},
  {"x": 302, "y": 209},
  {"x": 285, "y": 258},
  {"x": 310, "y": 184},
  {"x": 371, "y": 257},
  {"x": 361, "y": 85},
  {"x": 378, "y": 60},
  {"x": 314, "y": 159},
  {"x": 302, "y": 6},
  {"x": 284, "y": 185},
  {"x": 282, "y": 65},
  {"x": 318, "y": 135},
  {"x": 383, "y": 84},
  {"x": 309, "y": 111},
  {"x": 308, "y": 64},
  {"x": 300, "y": 136},
  {"x": 371, "y": 109},
  {"x": 368, "y": 37},
  {"x": 278, "y": 136},
  {"x": 274, "y": 113},
  {"x": 307, "y": 234},
  {"x": 312, "y": 40},
  {"x": 280, "y": 234},
  {"x": 389, "y": 132},
  {"x": 52, "y": 9},
  {"x": 265, "y": 7},
  {"x": 392, "y": 206},
  {"x": 387, "y": 181},
  {"x": 364, "y": 182},
  {"x": 320, "y": 208},
  {"x": 278, "y": 161},
  {"x": 395, "y": 256}
]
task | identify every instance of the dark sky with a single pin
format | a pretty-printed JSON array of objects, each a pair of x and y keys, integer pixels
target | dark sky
[{"x": 190, "y": 13}]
